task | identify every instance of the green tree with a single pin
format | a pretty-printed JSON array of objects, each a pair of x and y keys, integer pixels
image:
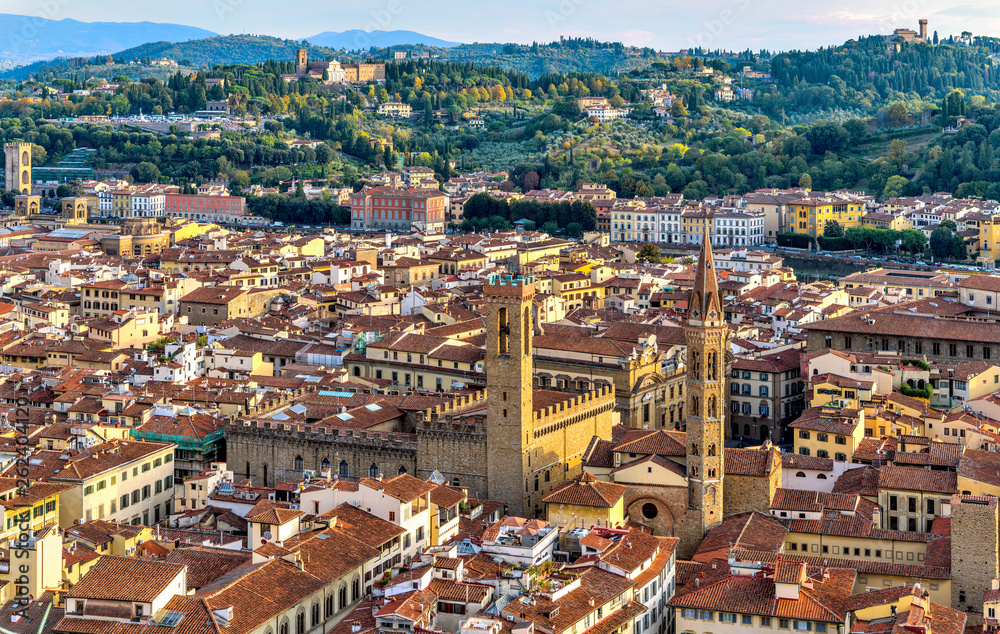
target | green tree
[
  {"x": 145, "y": 172},
  {"x": 649, "y": 254},
  {"x": 806, "y": 181},
  {"x": 832, "y": 229},
  {"x": 914, "y": 240},
  {"x": 894, "y": 186},
  {"x": 941, "y": 241}
]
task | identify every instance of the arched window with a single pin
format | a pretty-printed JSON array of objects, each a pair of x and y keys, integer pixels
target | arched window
[
  {"x": 357, "y": 370},
  {"x": 746, "y": 430},
  {"x": 402, "y": 469},
  {"x": 330, "y": 609},
  {"x": 325, "y": 464},
  {"x": 297, "y": 463},
  {"x": 283, "y": 629},
  {"x": 547, "y": 475},
  {"x": 315, "y": 615},
  {"x": 356, "y": 589},
  {"x": 373, "y": 471},
  {"x": 800, "y": 475},
  {"x": 454, "y": 482},
  {"x": 343, "y": 597},
  {"x": 536, "y": 483},
  {"x": 343, "y": 470},
  {"x": 694, "y": 449},
  {"x": 711, "y": 450},
  {"x": 300, "y": 623}
]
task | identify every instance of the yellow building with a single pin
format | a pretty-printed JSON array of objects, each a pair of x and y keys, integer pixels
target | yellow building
[
  {"x": 181, "y": 229},
  {"x": 878, "y": 220},
  {"x": 989, "y": 236},
  {"x": 585, "y": 501},
  {"x": 829, "y": 432},
  {"x": 126, "y": 481},
  {"x": 810, "y": 215},
  {"x": 33, "y": 508},
  {"x": 37, "y": 565},
  {"x": 109, "y": 538},
  {"x": 121, "y": 203},
  {"x": 840, "y": 392},
  {"x": 126, "y": 328},
  {"x": 43, "y": 314}
]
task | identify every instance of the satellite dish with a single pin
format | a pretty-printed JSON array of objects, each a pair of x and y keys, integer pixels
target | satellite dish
[{"x": 267, "y": 535}]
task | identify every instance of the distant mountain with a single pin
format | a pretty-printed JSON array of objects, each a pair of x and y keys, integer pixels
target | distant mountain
[
  {"x": 357, "y": 39},
  {"x": 31, "y": 38},
  {"x": 204, "y": 53}
]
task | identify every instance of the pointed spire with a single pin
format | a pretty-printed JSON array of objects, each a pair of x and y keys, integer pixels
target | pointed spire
[{"x": 705, "y": 292}]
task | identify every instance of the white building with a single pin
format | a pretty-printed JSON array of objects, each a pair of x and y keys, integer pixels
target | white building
[
  {"x": 148, "y": 205},
  {"x": 738, "y": 229}
]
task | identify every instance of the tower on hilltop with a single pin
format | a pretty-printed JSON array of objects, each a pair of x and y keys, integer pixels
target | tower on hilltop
[
  {"x": 705, "y": 334},
  {"x": 509, "y": 371},
  {"x": 301, "y": 61},
  {"x": 17, "y": 167}
]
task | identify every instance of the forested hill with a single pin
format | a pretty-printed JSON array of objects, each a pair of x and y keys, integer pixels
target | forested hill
[
  {"x": 868, "y": 72},
  {"x": 575, "y": 55},
  {"x": 205, "y": 53}
]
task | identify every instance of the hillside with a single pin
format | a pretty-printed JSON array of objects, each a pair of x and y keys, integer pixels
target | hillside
[
  {"x": 204, "y": 53},
  {"x": 363, "y": 40},
  {"x": 32, "y": 38},
  {"x": 869, "y": 72},
  {"x": 571, "y": 56}
]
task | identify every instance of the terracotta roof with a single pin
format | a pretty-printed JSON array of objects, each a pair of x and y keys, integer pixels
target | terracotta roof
[
  {"x": 915, "y": 479},
  {"x": 586, "y": 490},
  {"x": 403, "y": 487},
  {"x": 752, "y": 530},
  {"x": 126, "y": 579},
  {"x": 753, "y": 461}
]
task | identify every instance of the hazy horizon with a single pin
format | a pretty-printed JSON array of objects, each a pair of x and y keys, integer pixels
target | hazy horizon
[{"x": 726, "y": 24}]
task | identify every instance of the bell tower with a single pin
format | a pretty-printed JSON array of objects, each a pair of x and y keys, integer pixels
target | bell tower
[
  {"x": 705, "y": 334},
  {"x": 17, "y": 167},
  {"x": 509, "y": 371}
]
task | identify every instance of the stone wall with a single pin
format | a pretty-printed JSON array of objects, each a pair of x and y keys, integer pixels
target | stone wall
[
  {"x": 665, "y": 510},
  {"x": 974, "y": 555},
  {"x": 270, "y": 450}
]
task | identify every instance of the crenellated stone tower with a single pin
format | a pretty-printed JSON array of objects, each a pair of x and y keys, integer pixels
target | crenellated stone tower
[
  {"x": 509, "y": 330},
  {"x": 706, "y": 336}
]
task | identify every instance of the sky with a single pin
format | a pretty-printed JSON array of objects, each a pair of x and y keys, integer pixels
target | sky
[{"x": 663, "y": 24}]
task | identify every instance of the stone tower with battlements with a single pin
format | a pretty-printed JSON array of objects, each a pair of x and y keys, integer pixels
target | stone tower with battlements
[
  {"x": 705, "y": 334},
  {"x": 17, "y": 167},
  {"x": 509, "y": 330}
]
